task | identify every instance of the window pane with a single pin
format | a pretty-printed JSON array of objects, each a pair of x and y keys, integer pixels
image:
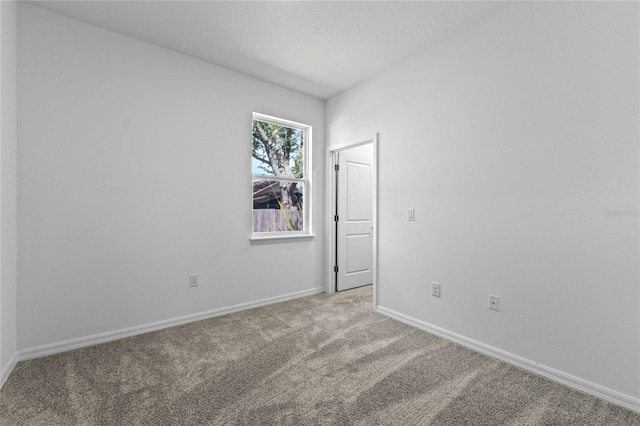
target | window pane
[
  {"x": 277, "y": 150},
  {"x": 277, "y": 206}
]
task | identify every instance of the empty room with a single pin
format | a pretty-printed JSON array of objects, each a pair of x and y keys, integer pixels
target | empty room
[{"x": 319, "y": 212}]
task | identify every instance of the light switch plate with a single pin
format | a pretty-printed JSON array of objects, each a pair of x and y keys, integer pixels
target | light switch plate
[{"x": 494, "y": 303}]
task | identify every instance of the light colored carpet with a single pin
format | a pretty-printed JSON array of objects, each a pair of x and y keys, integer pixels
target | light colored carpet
[{"x": 324, "y": 359}]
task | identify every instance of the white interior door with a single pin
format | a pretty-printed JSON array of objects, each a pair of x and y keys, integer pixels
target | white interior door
[{"x": 354, "y": 224}]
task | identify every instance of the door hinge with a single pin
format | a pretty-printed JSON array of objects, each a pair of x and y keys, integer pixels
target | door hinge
[
  {"x": 336, "y": 167},
  {"x": 335, "y": 269},
  {"x": 335, "y": 218}
]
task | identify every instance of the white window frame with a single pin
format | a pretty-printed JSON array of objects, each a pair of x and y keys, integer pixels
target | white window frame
[{"x": 306, "y": 182}]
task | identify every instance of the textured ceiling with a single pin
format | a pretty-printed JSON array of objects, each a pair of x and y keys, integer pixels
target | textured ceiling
[{"x": 316, "y": 47}]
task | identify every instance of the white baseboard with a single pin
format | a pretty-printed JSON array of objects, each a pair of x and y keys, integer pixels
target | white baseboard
[
  {"x": 585, "y": 386},
  {"x": 8, "y": 369},
  {"x": 69, "y": 345}
]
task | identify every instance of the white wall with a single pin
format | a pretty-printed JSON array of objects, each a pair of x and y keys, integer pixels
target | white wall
[
  {"x": 134, "y": 171},
  {"x": 510, "y": 140},
  {"x": 8, "y": 199}
]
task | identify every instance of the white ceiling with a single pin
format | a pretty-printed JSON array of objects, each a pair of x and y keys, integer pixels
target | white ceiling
[{"x": 317, "y": 47}]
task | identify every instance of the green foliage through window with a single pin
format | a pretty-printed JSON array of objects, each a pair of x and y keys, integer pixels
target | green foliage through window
[{"x": 278, "y": 150}]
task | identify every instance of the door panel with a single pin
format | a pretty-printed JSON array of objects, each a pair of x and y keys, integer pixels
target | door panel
[
  {"x": 354, "y": 225},
  {"x": 358, "y": 198},
  {"x": 358, "y": 259}
]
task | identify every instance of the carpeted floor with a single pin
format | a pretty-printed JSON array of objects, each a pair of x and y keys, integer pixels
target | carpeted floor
[{"x": 323, "y": 359}]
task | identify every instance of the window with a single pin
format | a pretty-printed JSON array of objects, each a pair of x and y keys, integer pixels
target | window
[{"x": 281, "y": 178}]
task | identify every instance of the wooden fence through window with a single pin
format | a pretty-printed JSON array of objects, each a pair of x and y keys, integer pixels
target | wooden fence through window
[{"x": 272, "y": 220}]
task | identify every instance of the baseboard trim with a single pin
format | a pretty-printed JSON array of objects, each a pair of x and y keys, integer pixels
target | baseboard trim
[
  {"x": 585, "y": 386},
  {"x": 8, "y": 369},
  {"x": 69, "y": 345}
]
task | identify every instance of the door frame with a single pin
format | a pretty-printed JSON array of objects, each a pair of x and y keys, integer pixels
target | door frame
[{"x": 330, "y": 228}]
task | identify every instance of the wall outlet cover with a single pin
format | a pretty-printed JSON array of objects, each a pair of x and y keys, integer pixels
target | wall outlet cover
[
  {"x": 193, "y": 280},
  {"x": 435, "y": 289}
]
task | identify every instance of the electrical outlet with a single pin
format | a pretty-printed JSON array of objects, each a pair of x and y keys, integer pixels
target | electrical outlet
[
  {"x": 435, "y": 289},
  {"x": 493, "y": 303},
  {"x": 411, "y": 214},
  {"x": 193, "y": 280}
]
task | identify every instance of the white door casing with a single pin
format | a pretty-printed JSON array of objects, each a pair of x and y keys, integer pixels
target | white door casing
[{"x": 354, "y": 225}]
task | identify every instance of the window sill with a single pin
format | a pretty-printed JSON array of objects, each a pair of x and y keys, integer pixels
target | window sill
[{"x": 280, "y": 237}]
